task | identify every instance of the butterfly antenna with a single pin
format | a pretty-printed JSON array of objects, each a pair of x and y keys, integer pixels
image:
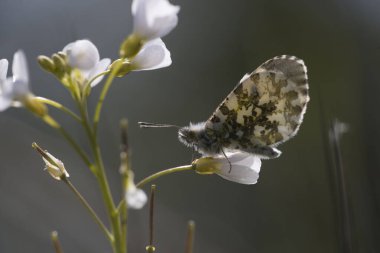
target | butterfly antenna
[{"x": 151, "y": 125}]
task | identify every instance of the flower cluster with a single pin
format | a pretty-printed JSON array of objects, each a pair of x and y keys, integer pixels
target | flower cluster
[
  {"x": 14, "y": 91},
  {"x": 79, "y": 68},
  {"x": 83, "y": 57},
  {"x": 144, "y": 48}
]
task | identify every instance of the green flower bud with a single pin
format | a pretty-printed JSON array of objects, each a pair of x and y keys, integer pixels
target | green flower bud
[
  {"x": 46, "y": 63},
  {"x": 35, "y": 106},
  {"x": 60, "y": 65},
  {"x": 130, "y": 46}
]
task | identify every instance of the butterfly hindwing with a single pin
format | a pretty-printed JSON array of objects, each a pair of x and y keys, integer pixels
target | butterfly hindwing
[{"x": 266, "y": 108}]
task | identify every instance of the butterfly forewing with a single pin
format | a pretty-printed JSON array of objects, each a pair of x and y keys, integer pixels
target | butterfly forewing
[{"x": 266, "y": 107}]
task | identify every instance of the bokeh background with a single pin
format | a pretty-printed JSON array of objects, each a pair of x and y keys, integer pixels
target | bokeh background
[{"x": 295, "y": 205}]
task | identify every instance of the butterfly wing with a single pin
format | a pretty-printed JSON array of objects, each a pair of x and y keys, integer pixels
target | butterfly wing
[{"x": 266, "y": 108}]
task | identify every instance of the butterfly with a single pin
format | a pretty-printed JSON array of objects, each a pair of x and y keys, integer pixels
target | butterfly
[{"x": 265, "y": 109}]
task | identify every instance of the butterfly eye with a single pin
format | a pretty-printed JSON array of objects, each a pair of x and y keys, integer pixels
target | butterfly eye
[
  {"x": 191, "y": 136},
  {"x": 187, "y": 136}
]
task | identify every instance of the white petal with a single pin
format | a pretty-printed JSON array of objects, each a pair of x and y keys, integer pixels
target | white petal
[
  {"x": 245, "y": 168},
  {"x": 99, "y": 68},
  {"x": 140, "y": 25},
  {"x": 153, "y": 55},
  {"x": 163, "y": 25},
  {"x": 154, "y": 18},
  {"x": 3, "y": 70},
  {"x": 136, "y": 198},
  {"x": 7, "y": 94},
  {"x": 82, "y": 54},
  {"x": 56, "y": 170},
  {"x": 135, "y": 5},
  {"x": 20, "y": 67},
  {"x": 19, "y": 89},
  {"x": 5, "y": 102}
]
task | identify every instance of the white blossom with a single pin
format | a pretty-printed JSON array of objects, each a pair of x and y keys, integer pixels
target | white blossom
[
  {"x": 83, "y": 56},
  {"x": 153, "y": 18},
  {"x": 240, "y": 167},
  {"x": 136, "y": 198},
  {"x": 153, "y": 55},
  {"x": 244, "y": 167},
  {"x": 14, "y": 90},
  {"x": 55, "y": 168}
]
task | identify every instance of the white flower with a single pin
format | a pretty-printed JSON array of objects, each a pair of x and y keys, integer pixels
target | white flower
[
  {"x": 153, "y": 18},
  {"x": 55, "y": 168},
  {"x": 153, "y": 55},
  {"x": 244, "y": 167},
  {"x": 14, "y": 91},
  {"x": 84, "y": 56},
  {"x": 136, "y": 198}
]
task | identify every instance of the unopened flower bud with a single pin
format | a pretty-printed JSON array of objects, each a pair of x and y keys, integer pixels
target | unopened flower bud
[
  {"x": 62, "y": 55},
  {"x": 53, "y": 165},
  {"x": 130, "y": 46},
  {"x": 35, "y": 106},
  {"x": 60, "y": 65},
  {"x": 46, "y": 63}
]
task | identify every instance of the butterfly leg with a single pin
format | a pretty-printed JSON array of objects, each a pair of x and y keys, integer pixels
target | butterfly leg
[
  {"x": 229, "y": 162},
  {"x": 193, "y": 155},
  {"x": 263, "y": 151}
]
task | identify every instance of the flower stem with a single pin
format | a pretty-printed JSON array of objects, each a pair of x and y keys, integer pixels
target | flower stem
[
  {"x": 103, "y": 95},
  {"x": 89, "y": 208},
  {"x": 59, "y": 106},
  {"x": 97, "y": 76},
  {"x": 150, "y": 248},
  {"x": 163, "y": 173},
  {"x": 102, "y": 179}
]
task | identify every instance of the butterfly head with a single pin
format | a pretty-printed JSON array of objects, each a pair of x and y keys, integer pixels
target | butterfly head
[{"x": 192, "y": 135}]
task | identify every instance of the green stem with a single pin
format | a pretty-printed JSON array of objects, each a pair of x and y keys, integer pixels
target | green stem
[
  {"x": 97, "y": 76},
  {"x": 163, "y": 173},
  {"x": 103, "y": 94},
  {"x": 59, "y": 106},
  {"x": 121, "y": 205},
  {"x": 54, "y": 124},
  {"x": 89, "y": 209},
  {"x": 102, "y": 180}
]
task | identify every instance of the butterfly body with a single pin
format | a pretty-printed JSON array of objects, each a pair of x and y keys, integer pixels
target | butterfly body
[{"x": 265, "y": 109}]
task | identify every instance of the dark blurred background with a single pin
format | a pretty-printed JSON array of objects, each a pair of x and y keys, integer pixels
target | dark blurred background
[{"x": 293, "y": 208}]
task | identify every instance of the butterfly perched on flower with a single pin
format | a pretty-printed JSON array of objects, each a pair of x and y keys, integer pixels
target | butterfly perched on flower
[{"x": 265, "y": 109}]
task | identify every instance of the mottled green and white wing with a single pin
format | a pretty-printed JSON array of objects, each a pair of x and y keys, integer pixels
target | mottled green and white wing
[{"x": 266, "y": 108}]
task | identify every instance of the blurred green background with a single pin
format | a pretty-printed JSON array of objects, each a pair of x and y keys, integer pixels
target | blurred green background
[{"x": 293, "y": 208}]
